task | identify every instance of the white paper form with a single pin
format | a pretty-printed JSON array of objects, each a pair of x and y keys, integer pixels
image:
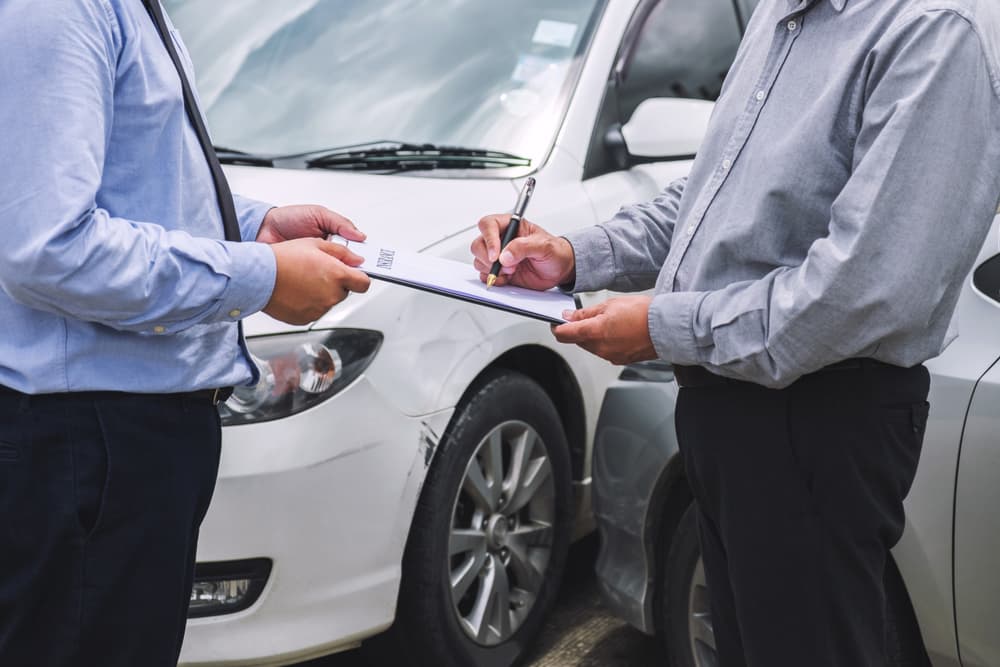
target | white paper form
[{"x": 458, "y": 280}]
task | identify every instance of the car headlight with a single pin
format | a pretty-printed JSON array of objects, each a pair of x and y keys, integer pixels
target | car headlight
[{"x": 299, "y": 371}]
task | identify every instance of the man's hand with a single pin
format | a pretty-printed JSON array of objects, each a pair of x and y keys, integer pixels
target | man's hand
[
  {"x": 535, "y": 259},
  {"x": 616, "y": 330},
  {"x": 313, "y": 276},
  {"x": 301, "y": 222}
]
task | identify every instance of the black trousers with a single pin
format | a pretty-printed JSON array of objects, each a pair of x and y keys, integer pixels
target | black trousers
[
  {"x": 800, "y": 497},
  {"x": 101, "y": 497}
]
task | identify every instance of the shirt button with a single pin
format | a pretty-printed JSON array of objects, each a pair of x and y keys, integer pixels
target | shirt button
[
  {"x": 690, "y": 230},
  {"x": 235, "y": 312},
  {"x": 759, "y": 95},
  {"x": 793, "y": 26},
  {"x": 726, "y": 164},
  {"x": 159, "y": 329}
]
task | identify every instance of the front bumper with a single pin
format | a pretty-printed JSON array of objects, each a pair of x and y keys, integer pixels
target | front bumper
[{"x": 331, "y": 507}]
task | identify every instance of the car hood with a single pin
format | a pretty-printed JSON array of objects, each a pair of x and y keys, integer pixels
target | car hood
[{"x": 414, "y": 212}]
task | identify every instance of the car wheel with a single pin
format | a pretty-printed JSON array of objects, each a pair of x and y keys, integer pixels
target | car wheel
[
  {"x": 685, "y": 619},
  {"x": 489, "y": 539}
]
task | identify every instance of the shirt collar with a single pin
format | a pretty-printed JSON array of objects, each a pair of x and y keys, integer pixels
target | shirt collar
[{"x": 837, "y": 4}]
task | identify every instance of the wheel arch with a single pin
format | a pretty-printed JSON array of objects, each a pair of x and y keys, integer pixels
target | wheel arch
[{"x": 557, "y": 379}]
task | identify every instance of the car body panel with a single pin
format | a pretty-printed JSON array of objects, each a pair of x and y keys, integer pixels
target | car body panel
[
  {"x": 924, "y": 555},
  {"x": 977, "y": 527},
  {"x": 977, "y": 495},
  {"x": 414, "y": 212},
  {"x": 330, "y": 511},
  {"x": 628, "y": 474}
]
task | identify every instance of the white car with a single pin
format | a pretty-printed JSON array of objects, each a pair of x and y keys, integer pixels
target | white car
[{"x": 412, "y": 460}]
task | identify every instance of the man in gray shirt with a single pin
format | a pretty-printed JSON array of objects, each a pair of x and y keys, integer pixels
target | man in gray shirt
[{"x": 803, "y": 271}]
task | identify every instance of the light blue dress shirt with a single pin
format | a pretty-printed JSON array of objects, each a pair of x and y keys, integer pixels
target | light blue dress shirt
[{"x": 113, "y": 271}]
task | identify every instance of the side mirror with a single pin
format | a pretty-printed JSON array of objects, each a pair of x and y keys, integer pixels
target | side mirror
[{"x": 661, "y": 129}]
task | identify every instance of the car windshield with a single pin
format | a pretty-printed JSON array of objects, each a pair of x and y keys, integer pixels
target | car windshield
[{"x": 281, "y": 78}]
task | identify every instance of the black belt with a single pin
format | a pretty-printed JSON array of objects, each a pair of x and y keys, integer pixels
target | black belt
[
  {"x": 696, "y": 376},
  {"x": 214, "y": 396}
]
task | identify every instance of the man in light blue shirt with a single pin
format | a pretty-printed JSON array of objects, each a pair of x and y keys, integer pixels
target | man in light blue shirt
[{"x": 119, "y": 302}]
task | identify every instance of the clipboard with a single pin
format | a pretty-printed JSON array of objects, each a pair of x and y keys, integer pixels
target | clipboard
[{"x": 457, "y": 280}]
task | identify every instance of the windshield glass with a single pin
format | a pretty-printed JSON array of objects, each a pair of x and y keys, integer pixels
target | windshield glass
[{"x": 279, "y": 78}]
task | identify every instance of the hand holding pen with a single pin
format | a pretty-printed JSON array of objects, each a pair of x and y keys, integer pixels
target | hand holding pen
[
  {"x": 512, "y": 227},
  {"x": 528, "y": 257}
]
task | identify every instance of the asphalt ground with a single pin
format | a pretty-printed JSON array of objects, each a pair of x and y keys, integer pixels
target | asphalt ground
[{"x": 580, "y": 632}]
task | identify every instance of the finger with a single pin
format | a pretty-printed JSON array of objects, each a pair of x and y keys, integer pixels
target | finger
[
  {"x": 341, "y": 252},
  {"x": 334, "y": 223},
  {"x": 481, "y": 266},
  {"x": 355, "y": 281},
  {"x": 584, "y": 313},
  {"x": 491, "y": 227},
  {"x": 478, "y": 249},
  {"x": 574, "y": 332},
  {"x": 501, "y": 279},
  {"x": 525, "y": 247}
]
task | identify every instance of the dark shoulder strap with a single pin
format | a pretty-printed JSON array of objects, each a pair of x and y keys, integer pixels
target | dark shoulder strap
[{"x": 222, "y": 191}]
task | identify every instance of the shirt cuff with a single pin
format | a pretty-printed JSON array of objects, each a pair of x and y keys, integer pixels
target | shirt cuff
[
  {"x": 251, "y": 214},
  {"x": 671, "y": 327},
  {"x": 595, "y": 266},
  {"x": 251, "y": 280}
]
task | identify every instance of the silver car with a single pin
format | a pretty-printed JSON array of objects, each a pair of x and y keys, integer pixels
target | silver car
[{"x": 943, "y": 583}]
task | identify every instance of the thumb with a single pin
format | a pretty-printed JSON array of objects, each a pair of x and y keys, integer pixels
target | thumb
[{"x": 334, "y": 223}]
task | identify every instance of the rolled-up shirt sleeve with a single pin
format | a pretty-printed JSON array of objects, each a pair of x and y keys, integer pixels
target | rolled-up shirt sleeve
[
  {"x": 903, "y": 232},
  {"x": 626, "y": 253},
  {"x": 61, "y": 252}
]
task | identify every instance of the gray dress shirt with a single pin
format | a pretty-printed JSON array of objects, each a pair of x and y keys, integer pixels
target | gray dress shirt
[{"x": 850, "y": 174}]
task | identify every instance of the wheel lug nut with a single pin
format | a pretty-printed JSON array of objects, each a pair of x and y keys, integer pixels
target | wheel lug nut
[{"x": 511, "y": 523}]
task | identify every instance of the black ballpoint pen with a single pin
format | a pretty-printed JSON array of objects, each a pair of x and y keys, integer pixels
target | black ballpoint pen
[{"x": 515, "y": 222}]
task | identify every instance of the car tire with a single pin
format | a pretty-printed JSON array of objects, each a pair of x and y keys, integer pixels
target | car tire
[
  {"x": 436, "y": 621},
  {"x": 683, "y": 598},
  {"x": 682, "y": 591}
]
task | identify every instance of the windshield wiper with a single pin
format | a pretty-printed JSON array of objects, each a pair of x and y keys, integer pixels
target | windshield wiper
[
  {"x": 391, "y": 156},
  {"x": 408, "y": 157},
  {"x": 233, "y": 156}
]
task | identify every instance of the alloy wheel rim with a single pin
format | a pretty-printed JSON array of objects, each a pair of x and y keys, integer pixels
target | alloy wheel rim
[
  {"x": 500, "y": 543},
  {"x": 700, "y": 630}
]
